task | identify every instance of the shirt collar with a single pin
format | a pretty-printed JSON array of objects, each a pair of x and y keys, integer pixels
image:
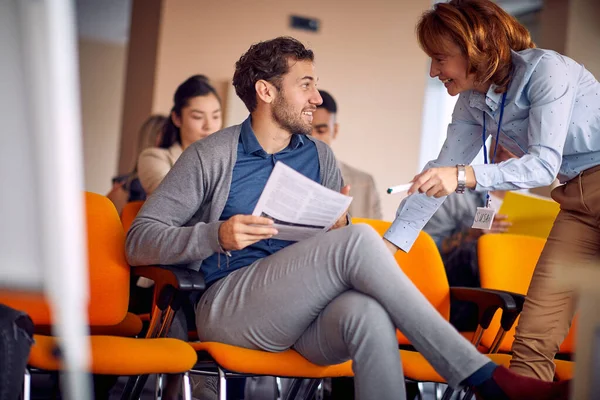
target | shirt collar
[
  {"x": 296, "y": 141},
  {"x": 491, "y": 100},
  {"x": 251, "y": 145},
  {"x": 248, "y": 138}
]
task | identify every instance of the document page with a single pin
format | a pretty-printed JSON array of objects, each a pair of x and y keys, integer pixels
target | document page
[
  {"x": 300, "y": 207},
  {"x": 529, "y": 214}
]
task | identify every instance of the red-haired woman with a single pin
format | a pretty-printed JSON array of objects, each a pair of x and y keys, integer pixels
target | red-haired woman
[{"x": 544, "y": 108}]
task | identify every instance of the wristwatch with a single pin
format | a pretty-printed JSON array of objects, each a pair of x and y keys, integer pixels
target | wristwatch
[{"x": 462, "y": 178}]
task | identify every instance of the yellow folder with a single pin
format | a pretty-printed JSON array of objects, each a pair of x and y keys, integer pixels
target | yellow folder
[{"x": 530, "y": 214}]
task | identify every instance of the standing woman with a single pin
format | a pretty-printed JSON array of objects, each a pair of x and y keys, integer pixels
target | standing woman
[
  {"x": 196, "y": 113},
  {"x": 543, "y": 107}
]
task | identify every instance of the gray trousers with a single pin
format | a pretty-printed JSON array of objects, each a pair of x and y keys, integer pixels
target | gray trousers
[{"x": 336, "y": 297}]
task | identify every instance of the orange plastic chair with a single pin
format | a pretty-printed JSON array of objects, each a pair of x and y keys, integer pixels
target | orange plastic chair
[
  {"x": 425, "y": 268},
  {"x": 130, "y": 211},
  {"x": 109, "y": 292},
  {"x": 126, "y": 324},
  {"x": 422, "y": 264},
  {"x": 507, "y": 262}
]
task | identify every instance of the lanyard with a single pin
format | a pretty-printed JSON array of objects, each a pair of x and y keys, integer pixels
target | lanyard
[{"x": 485, "y": 160}]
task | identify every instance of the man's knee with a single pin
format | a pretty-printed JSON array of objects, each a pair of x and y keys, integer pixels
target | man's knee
[
  {"x": 358, "y": 312},
  {"x": 364, "y": 232}
]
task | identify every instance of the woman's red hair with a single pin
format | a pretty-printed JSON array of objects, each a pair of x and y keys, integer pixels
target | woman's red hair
[{"x": 483, "y": 31}]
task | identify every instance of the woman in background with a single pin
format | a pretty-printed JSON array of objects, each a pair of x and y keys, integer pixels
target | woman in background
[
  {"x": 196, "y": 113},
  {"x": 127, "y": 187}
]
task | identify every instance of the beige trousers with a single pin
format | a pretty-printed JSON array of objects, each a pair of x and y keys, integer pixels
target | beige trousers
[{"x": 549, "y": 309}]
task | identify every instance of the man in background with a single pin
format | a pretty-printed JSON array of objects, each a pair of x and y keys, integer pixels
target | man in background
[{"x": 366, "y": 202}]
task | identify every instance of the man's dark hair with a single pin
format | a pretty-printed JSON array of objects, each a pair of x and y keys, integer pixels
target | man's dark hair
[
  {"x": 328, "y": 102},
  {"x": 268, "y": 61}
]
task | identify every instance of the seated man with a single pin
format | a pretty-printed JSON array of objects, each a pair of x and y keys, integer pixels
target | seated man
[
  {"x": 332, "y": 297},
  {"x": 365, "y": 202},
  {"x": 450, "y": 227}
]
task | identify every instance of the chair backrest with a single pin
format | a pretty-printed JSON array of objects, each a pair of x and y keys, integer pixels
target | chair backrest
[
  {"x": 130, "y": 211},
  {"x": 108, "y": 270},
  {"x": 507, "y": 262},
  {"x": 424, "y": 266}
]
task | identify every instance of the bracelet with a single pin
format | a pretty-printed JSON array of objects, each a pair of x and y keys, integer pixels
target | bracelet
[
  {"x": 461, "y": 178},
  {"x": 226, "y": 252}
]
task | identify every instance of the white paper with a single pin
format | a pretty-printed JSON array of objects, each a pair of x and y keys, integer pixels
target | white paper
[
  {"x": 484, "y": 217},
  {"x": 299, "y": 206}
]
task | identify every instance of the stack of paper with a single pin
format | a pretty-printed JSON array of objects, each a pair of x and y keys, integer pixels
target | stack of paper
[
  {"x": 299, "y": 207},
  {"x": 529, "y": 214}
]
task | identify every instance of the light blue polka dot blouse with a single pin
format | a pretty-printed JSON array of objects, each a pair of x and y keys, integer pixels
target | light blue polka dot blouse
[{"x": 551, "y": 121}]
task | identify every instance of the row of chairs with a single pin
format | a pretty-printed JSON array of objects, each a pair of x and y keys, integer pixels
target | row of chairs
[
  {"x": 507, "y": 263},
  {"x": 116, "y": 354}
]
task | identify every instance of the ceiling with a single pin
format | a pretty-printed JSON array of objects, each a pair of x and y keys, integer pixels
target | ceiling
[
  {"x": 104, "y": 20},
  {"x": 520, "y": 7},
  {"x": 108, "y": 20}
]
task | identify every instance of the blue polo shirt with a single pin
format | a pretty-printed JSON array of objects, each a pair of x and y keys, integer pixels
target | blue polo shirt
[{"x": 250, "y": 173}]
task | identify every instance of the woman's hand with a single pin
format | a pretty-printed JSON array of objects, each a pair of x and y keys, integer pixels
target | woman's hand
[
  {"x": 441, "y": 181},
  {"x": 435, "y": 182},
  {"x": 500, "y": 224}
]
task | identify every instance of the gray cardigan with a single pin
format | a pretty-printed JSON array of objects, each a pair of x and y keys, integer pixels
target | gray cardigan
[{"x": 179, "y": 222}]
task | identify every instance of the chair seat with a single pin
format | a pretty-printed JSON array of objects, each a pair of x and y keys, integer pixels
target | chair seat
[
  {"x": 417, "y": 368},
  {"x": 564, "y": 370},
  {"x": 121, "y": 356},
  {"x": 290, "y": 363},
  {"x": 287, "y": 363},
  {"x": 131, "y": 326}
]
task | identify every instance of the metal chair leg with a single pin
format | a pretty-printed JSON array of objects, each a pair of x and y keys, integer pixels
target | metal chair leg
[
  {"x": 320, "y": 391},
  {"x": 186, "y": 386},
  {"x": 420, "y": 390},
  {"x": 27, "y": 385},
  {"x": 310, "y": 388},
  {"x": 468, "y": 394},
  {"x": 133, "y": 388},
  {"x": 293, "y": 389},
  {"x": 158, "y": 391},
  {"x": 448, "y": 393},
  {"x": 222, "y": 385},
  {"x": 279, "y": 388}
]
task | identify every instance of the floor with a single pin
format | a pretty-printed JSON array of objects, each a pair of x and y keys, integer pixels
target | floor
[{"x": 43, "y": 388}]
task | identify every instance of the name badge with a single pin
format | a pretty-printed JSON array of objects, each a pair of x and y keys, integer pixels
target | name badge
[{"x": 484, "y": 218}]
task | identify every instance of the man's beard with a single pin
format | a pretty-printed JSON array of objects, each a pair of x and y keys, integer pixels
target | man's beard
[{"x": 286, "y": 118}]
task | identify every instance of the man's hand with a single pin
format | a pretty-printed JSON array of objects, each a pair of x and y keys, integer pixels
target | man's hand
[
  {"x": 241, "y": 231},
  {"x": 343, "y": 221},
  {"x": 499, "y": 225}
]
